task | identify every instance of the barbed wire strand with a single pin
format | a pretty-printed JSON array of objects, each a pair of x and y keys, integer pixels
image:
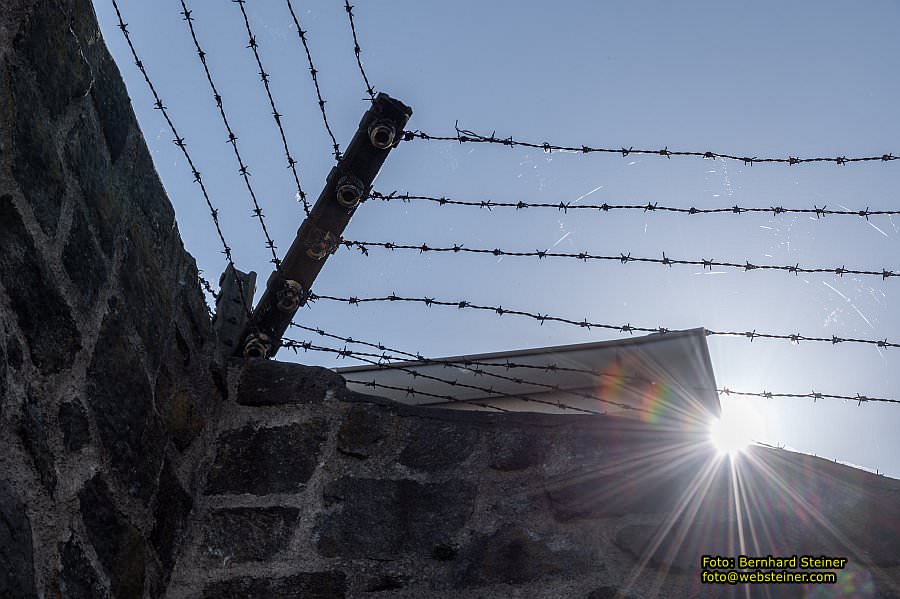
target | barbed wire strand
[
  {"x": 243, "y": 170},
  {"x": 794, "y": 338},
  {"x": 467, "y": 136},
  {"x": 296, "y": 345},
  {"x": 552, "y": 367},
  {"x": 363, "y": 247},
  {"x": 180, "y": 142},
  {"x": 253, "y": 44},
  {"x": 648, "y": 207},
  {"x": 473, "y": 367},
  {"x": 357, "y": 50},
  {"x": 491, "y": 393},
  {"x": 315, "y": 79}
]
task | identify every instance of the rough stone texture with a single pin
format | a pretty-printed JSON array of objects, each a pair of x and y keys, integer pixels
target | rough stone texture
[
  {"x": 16, "y": 563},
  {"x": 248, "y": 534},
  {"x": 78, "y": 580},
  {"x": 119, "y": 545},
  {"x": 106, "y": 378},
  {"x": 416, "y": 502},
  {"x": 300, "y": 488},
  {"x": 313, "y": 585},
  {"x": 73, "y": 422},
  {"x": 260, "y": 461},
  {"x": 271, "y": 383},
  {"x": 385, "y": 517}
]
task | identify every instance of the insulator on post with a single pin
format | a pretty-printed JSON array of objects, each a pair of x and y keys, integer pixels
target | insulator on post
[
  {"x": 290, "y": 296},
  {"x": 257, "y": 345},
  {"x": 382, "y": 134},
  {"x": 350, "y": 191}
]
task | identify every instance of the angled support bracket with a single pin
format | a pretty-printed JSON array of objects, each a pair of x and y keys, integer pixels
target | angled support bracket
[{"x": 319, "y": 236}]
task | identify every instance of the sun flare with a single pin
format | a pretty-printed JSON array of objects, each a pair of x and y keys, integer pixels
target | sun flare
[{"x": 736, "y": 429}]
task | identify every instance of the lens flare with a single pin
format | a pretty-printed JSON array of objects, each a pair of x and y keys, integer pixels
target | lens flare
[{"x": 736, "y": 429}]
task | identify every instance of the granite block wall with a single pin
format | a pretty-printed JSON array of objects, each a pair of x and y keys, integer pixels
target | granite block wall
[
  {"x": 313, "y": 491},
  {"x": 105, "y": 375}
]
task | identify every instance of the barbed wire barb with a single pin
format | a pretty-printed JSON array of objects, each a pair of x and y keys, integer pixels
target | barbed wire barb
[
  {"x": 746, "y": 266},
  {"x": 253, "y": 45},
  {"x": 357, "y": 50},
  {"x": 243, "y": 170},
  {"x": 794, "y": 338},
  {"x": 468, "y": 136},
  {"x": 605, "y": 207},
  {"x": 314, "y": 73}
]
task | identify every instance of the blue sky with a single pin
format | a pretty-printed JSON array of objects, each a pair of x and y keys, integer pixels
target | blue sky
[{"x": 759, "y": 79}]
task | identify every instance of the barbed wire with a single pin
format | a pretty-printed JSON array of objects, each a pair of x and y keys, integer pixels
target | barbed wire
[
  {"x": 232, "y": 138},
  {"x": 752, "y": 335},
  {"x": 813, "y": 395},
  {"x": 468, "y": 364},
  {"x": 467, "y": 136},
  {"x": 253, "y": 44},
  {"x": 357, "y": 50},
  {"x": 648, "y": 207},
  {"x": 476, "y": 367},
  {"x": 315, "y": 79},
  {"x": 491, "y": 393},
  {"x": 180, "y": 142},
  {"x": 363, "y": 247},
  {"x": 207, "y": 286}
]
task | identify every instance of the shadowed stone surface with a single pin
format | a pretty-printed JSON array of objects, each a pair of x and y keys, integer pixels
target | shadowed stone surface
[
  {"x": 515, "y": 450},
  {"x": 383, "y": 518},
  {"x": 434, "y": 445},
  {"x": 312, "y": 585},
  {"x": 118, "y": 543},
  {"x": 78, "y": 580},
  {"x": 74, "y": 425},
  {"x": 260, "y": 461},
  {"x": 38, "y": 306},
  {"x": 16, "y": 565},
  {"x": 271, "y": 383},
  {"x": 513, "y": 555},
  {"x": 360, "y": 431},
  {"x": 83, "y": 261},
  {"x": 33, "y": 430},
  {"x": 247, "y": 534},
  {"x": 173, "y": 506},
  {"x": 121, "y": 402}
]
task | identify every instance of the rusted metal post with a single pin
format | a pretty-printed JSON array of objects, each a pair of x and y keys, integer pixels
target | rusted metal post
[{"x": 348, "y": 183}]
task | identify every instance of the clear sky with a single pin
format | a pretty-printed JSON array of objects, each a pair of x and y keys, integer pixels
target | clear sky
[{"x": 760, "y": 79}]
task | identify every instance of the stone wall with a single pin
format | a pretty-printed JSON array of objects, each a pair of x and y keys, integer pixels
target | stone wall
[
  {"x": 131, "y": 468},
  {"x": 316, "y": 492},
  {"x": 105, "y": 378}
]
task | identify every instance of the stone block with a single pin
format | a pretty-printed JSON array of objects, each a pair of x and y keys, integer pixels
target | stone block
[
  {"x": 361, "y": 430},
  {"x": 16, "y": 557},
  {"x": 247, "y": 534},
  {"x": 119, "y": 545},
  {"x": 435, "y": 445},
  {"x": 37, "y": 304},
  {"x": 261, "y": 461},
  {"x": 73, "y": 422},
  {"x": 36, "y": 164},
  {"x": 121, "y": 402},
  {"x": 514, "y": 555},
  {"x": 269, "y": 383},
  {"x": 385, "y": 518},
  {"x": 77, "y": 578},
  {"x": 33, "y": 430},
  {"x": 83, "y": 261},
  {"x": 173, "y": 506},
  {"x": 511, "y": 450},
  {"x": 308, "y": 585}
]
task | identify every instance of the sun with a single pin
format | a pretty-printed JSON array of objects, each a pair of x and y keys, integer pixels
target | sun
[{"x": 736, "y": 429}]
